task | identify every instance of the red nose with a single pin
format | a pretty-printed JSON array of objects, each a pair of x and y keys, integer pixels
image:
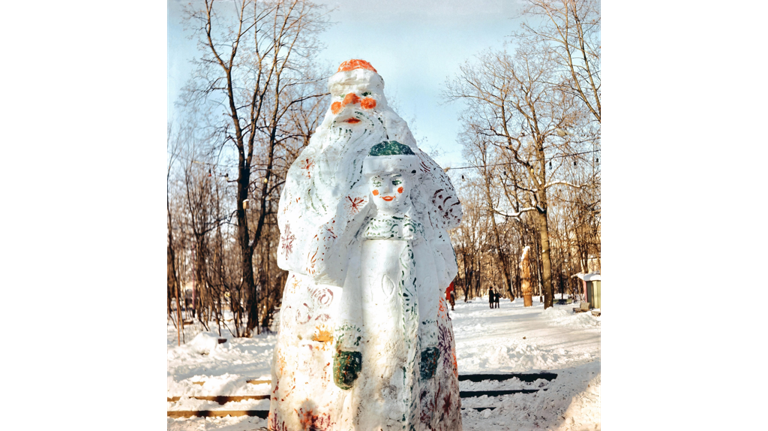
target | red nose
[{"x": 350, "y": 99}]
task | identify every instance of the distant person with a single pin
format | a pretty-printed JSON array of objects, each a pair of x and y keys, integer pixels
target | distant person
[
  {"x": 496, "y": 300},
  {"x": 450, "y": 295},
  {"x": 491, "y": 295}
]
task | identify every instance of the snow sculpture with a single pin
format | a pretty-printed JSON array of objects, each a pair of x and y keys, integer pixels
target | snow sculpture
[
  {"x": 365, "y": 340},
  {"x": 525, "y": 276}
]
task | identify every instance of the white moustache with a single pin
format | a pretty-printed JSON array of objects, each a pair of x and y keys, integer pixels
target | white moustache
[{"x": 352, "y": 111}]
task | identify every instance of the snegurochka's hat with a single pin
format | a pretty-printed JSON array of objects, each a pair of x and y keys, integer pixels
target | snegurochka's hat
[{"x": 390, "y": 156}]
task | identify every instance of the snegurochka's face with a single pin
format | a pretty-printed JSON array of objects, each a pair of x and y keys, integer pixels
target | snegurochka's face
[{"x": 390, "y": 191}]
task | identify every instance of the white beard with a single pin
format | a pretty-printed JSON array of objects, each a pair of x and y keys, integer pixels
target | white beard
[
  {"x": 318, "y": 199},
  {"x": 320, "y": 186},
  {"x": 342, "y": 149}
]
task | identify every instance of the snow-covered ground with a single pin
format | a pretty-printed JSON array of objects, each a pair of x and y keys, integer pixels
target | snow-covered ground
[{"x": 509, "y": 339}]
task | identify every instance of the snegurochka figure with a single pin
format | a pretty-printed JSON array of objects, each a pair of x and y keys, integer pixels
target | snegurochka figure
[{"x": 393, "y": 313}]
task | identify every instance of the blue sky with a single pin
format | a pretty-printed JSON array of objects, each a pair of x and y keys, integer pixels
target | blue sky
[{"x": 414, "y": 44}]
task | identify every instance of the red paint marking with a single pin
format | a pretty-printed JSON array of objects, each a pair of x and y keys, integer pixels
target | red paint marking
[
  {"x": 399, "y": 189},
  {"x": 352, "y": 121},
  {"x": 388, "y": 198},
  {"x": 375, "y": 192},
  {"x": 354, "y": 204},
  {"x": 306, "y": 164},
  {"x": 335, "y": 107}
]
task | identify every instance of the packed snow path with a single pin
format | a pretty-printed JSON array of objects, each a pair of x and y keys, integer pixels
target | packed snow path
[{"x": 510, "y": 339}]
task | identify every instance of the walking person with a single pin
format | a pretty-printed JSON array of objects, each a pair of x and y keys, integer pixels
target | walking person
[
  {"x": 496, "y": 300},
  {"x": 491, "y": 296}
]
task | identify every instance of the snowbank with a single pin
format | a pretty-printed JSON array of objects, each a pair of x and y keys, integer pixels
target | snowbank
[{"x": 504, "y": 340}]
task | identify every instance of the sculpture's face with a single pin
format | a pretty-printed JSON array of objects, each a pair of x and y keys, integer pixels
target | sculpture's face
[
  {"x": 351, "y": 102},
  {"x": 390, "y": 192}
]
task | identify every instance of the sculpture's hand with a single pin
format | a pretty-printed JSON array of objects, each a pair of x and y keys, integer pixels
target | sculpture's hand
[
  {"x": 346, "y": 368},
  {"x": 429, "y": 357}
]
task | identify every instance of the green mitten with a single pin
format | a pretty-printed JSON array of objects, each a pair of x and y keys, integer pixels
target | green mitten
[
  {"x": 346, "y": 368},
  {"x": 429, "y": 358}
]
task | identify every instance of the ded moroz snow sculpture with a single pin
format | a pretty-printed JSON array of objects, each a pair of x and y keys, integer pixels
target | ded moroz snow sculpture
[{"x": 365, "y": 340}]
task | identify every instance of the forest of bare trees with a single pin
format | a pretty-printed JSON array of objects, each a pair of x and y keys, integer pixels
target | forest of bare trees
[
  {"x": 531, "y": 138},
  {"x": 254, "y": 100},
  {"x": 531, "y": 130}
]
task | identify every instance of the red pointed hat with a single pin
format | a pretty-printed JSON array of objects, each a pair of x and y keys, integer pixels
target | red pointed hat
[{"x": 355, "y": 64}]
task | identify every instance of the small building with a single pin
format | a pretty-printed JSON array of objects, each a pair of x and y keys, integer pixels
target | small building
[{"x": 591, "y": 287}]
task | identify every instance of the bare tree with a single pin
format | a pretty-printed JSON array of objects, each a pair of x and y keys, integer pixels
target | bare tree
[
  {"x": 513, "y": 107},
  {"x": 255, "y": 53},
  {"x": 571, "y": 29},
  {"x": 173, "y": 147}
]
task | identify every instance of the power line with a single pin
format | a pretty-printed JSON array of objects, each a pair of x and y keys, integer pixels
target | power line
[{"x": 508, "y": 164}]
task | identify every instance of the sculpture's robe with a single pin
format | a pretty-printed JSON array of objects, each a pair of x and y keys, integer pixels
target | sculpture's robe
[{"x": 391, "y": 310}]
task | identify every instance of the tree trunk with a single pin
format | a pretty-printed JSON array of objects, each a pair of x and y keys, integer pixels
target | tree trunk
[
  {"x": 243, "y": 238},
  {"x": 546, "y": 264}
]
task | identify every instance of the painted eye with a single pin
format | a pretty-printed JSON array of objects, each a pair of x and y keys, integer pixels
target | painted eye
[
  {"x": 366, "y": 94},
  {"x": 342, "y": 95},
  {"x": 397, "y": 182}
]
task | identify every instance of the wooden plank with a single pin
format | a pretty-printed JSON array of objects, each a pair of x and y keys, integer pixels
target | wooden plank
[
  {"x": 216, "y": 413},
  {"x": 470, "y": 394},
  {"x": 233, "y": 413},
  {"x": 251, "y": 381},
  {"x": 525, "y": 377},
  {"x": 222, "y": 399}
]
